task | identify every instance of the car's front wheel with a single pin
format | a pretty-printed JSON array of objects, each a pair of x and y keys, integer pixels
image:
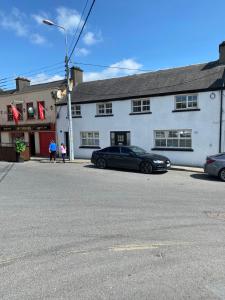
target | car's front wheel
[
  {"x": 222, "y": 174},
  {"x": 146, "y": 167},
  {"x": 101, "y": 163}
]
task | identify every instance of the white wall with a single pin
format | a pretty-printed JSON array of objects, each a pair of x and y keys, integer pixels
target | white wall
[{"x": 204, "y": 125}]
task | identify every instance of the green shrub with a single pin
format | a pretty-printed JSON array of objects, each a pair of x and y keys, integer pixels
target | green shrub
[{"x": 20, "y": 146}]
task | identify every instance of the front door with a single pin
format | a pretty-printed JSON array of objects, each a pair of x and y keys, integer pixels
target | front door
[
  {"x": 32, "y": 144},
  {"x": 120, "y": 138},
  {"x": 67, "y": 142}
]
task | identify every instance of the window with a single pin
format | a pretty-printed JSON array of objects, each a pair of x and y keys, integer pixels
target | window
[
  {"x": 30, "y": 110},
  {"x": 173, "y": 138},
  {"x": 141, "y": 106},
  {"x": 19, "y": 107},
  {"x": 76, "y": 110},
  {"x": 113, "y": 150},
  {"x": 183, "y": 102},
  {"x": 9, "y": 113},
  {"x": 104, "y": 109},
  {"x": 43, "y": 104},
  {"x": 89, "y": 138}
]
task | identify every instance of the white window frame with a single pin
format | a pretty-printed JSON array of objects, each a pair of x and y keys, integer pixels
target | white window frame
[
  {"x": 104, "y": 109},
  {"x": 187, "y": 99},
  {"x": 140, "y": 103},
  {"x": 89, "y": 138},
  {"x": 168, "y": 138},
  {"x": 76, "y": 110}
]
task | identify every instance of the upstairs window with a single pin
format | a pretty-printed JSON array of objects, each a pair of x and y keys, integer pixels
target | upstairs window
[
  {"x": 104, "y": 109},
  {"x": 76, "y": 110},
  {"x": 141, "y": 106},
  {"x": 183, "y": 102},
  {"x": 9, "y": 113},
  {"x": 19, "y": 107},
  {"x": 43, "y": 104},
  {"x": 173, "y": 138},
  {"x": 30, "y": 110}
]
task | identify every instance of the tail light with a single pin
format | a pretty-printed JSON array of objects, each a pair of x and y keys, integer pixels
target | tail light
[{"x": 209, "y": 160}]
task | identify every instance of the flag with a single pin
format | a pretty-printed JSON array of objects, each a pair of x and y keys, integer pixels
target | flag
[
  {"x": 41, "y": 111},
  {"x": 15, "y": 113}
]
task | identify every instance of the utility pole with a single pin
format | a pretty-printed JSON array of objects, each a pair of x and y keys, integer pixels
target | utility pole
[
  {"x": 68, "y": 91},
  {"x": 69, "y": 110}
]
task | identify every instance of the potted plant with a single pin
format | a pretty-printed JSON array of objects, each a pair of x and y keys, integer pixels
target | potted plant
[{"x": 20, "y": 147}]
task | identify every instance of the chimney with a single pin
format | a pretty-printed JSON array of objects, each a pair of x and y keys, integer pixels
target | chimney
[
  {"x": 222, "y": 53},
  {"x": 21, "y": 83},
  {"x": 76, "y": 75}
]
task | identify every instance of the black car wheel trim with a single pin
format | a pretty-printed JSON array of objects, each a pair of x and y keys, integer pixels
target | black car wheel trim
[
  {"x": 222, "y": 174},
  {"x": 146, "y": 168},
  {"x": 101, "y": 163}
]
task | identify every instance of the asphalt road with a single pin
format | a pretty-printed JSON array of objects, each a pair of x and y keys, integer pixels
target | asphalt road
[{"x": 74, "y": 232}]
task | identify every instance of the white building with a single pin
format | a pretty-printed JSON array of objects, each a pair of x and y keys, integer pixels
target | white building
[{"x": 176, "y": 112}]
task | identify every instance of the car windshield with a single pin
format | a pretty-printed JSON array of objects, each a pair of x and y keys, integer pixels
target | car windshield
[{"x": 138, "y": 150}]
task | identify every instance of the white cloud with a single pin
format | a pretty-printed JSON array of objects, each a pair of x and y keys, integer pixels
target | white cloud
[
  {"x": 16, "y": 21},
  {"x": 81, "y": 52},
  {"x": 38, "y": 39},
  {"x": 68, "y": 18},
  {"x": 130, "y": 67},
  {"x": 43, "y": 77},
  {"x": 90, "y": 38}
]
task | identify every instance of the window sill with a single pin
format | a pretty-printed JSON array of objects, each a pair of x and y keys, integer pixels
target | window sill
[
  {"x": 90, "y": 147},
  {"x": 77, "y": 117},
  {"x": 99, "y": 116},
  {"x": 140, "y": 113},
  {"x": 184, "y": 110},
  {"x": 173, "y": 149}
]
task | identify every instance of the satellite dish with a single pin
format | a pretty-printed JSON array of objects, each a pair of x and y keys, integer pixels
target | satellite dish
[{"x": 59, "y": 94}]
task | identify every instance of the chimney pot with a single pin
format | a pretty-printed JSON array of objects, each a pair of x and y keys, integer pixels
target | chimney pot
[{"x": 21, "y": 83}]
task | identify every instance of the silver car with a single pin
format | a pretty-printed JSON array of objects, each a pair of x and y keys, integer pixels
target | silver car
[{"x": 215, "y": 165}]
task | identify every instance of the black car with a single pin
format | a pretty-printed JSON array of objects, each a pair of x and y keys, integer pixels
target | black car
[{"x": 129, "y": 157}]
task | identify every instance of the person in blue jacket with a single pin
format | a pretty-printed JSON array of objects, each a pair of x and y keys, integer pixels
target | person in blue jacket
[{"x": 52, "y": 150}]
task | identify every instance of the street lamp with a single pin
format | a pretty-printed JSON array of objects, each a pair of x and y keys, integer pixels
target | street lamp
[{"x": 71, "y": 152}]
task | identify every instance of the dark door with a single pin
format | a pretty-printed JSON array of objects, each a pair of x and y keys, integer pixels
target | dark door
[
  {"x": 66, "y": 135},
  {"x": 32, "y": 144},
  {"x": 120, "y": 138}
]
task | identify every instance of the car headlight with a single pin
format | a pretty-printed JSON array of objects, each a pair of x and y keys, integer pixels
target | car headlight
[{"x": 158, "y": 161}]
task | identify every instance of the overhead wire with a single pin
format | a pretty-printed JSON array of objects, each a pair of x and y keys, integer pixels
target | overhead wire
[
  {"x": 78, "y": 38},
  {"x": 78, "y": 26}
]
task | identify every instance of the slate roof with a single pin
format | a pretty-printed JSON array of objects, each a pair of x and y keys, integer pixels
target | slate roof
[
  {"x": 36, "y": 87},
  {"x": 193, "y": 78}
]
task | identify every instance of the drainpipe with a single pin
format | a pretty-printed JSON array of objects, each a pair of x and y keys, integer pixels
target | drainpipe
[{"x": 221, "y": 118}]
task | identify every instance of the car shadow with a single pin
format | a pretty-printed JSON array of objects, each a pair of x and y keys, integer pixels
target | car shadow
[
  {"x": 205, "y": 177},
  {"x": 124, "y": 170}
]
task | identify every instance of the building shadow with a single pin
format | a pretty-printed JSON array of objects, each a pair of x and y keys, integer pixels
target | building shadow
[{"x": 205, "y": 177}]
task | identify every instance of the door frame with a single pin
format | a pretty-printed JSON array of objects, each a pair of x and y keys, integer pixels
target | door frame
[{"x": 113, "y": 141}]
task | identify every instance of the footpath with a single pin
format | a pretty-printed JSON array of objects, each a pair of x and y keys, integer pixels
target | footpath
[{"x": 87, "y": 161}]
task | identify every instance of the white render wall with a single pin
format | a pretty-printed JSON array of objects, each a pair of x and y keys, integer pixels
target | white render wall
[{"x": 204, "y": 125}]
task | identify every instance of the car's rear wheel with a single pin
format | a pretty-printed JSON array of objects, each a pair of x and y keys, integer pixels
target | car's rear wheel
[
  {"x": 101, "y": 163},
  {"x": 222, "y": 174},
  {"x": 146, "y": 168}
]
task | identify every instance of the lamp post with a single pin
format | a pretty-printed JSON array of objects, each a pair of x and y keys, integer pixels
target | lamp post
[{"x": 71, "y": 152}]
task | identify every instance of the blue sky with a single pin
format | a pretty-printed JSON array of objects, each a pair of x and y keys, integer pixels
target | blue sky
[{"x": 142, "y": 34}]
